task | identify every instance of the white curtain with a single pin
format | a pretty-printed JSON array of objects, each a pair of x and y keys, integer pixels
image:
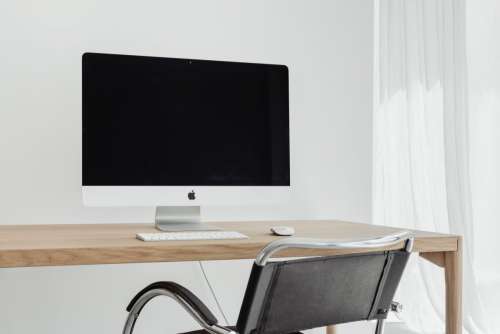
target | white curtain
[
  {"x": 483, "y": 55},
  {"x": 420, "y": 156}
]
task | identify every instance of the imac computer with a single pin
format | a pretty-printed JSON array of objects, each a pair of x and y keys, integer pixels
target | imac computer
[{"x": 179, "y": 134}]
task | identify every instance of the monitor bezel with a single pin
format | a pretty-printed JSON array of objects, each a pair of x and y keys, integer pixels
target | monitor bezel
[{"x": 165, "y": 195}]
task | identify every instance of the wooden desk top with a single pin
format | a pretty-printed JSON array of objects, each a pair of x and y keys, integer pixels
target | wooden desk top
[{"x": 58, "y": 245}]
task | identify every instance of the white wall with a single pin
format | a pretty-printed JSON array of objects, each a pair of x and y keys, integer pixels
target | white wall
[{"x": 327, "y": 45}]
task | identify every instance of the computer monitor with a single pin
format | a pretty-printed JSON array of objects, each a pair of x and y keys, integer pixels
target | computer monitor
[{"x": 181, "y": 133}]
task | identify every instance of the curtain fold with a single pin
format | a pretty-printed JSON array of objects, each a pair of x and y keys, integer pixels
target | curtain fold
[{"x": 420, "y": 154}]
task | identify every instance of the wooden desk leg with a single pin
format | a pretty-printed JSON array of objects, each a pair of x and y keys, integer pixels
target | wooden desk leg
[
  {"x": 330, "y": 329},
  {"x": 453, "y": 277}
]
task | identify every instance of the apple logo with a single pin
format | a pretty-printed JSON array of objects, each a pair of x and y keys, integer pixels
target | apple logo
[{"x": 191, "y": 195}]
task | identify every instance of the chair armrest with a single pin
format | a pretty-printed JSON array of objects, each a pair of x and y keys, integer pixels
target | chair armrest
[
  {"x": 182, "y": 293},
  {"x": 192, "y": 304}
]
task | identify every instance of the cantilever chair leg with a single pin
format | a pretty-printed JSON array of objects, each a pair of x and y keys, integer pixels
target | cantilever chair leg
[{"x": 380, "y": 326}]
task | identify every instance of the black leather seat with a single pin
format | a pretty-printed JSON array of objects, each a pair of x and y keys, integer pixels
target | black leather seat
[
  {"x": 286, "y": 297},
  {"x": 204, "y": 331}
]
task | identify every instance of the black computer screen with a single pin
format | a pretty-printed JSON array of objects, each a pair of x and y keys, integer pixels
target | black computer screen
[{"x": 172, "y": 122}]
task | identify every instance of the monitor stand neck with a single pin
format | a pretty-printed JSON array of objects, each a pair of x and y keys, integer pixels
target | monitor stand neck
[{"x": 180, "y": 218}]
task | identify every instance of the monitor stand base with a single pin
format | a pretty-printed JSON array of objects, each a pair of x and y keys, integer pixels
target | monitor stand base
[{"x": 180, "y": 218}]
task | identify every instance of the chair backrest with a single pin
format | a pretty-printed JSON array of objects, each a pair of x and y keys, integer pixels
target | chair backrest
[{"x": 289, "y": 296}]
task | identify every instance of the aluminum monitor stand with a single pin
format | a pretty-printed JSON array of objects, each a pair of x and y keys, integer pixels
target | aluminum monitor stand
[{"x": 180, "y": 218}]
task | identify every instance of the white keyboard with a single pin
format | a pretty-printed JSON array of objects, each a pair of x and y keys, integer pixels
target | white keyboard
[{"x": 195, "y": 235}]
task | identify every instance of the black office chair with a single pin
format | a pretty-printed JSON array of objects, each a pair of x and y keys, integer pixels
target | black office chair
[{"x": 286, "y": 297}]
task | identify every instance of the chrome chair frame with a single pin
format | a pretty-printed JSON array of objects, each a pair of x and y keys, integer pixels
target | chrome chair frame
[{"x": 261, "y": 260}]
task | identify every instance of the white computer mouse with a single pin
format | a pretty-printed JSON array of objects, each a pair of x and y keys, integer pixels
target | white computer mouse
[{"x": 283, "y": 230}]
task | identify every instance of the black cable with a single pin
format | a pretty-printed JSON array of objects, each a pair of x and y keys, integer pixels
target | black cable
[{"x": 213, "y": 292}]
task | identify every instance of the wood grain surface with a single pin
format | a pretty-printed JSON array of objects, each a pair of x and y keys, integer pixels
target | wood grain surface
[{"x": 57, "y": 245}]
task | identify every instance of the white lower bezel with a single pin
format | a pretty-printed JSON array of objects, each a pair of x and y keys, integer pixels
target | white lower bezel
[{"x": 178, "y": 195}]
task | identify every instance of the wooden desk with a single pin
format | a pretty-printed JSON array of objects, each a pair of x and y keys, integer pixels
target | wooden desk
[{"x": 61, "y": 245}]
